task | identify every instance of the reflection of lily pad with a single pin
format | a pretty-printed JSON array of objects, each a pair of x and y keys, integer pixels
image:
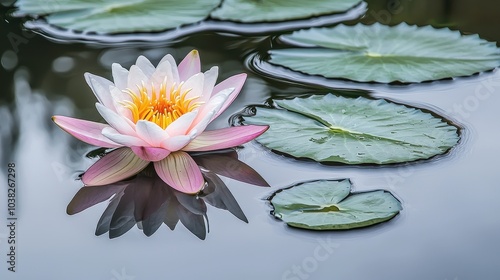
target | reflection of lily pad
[
  {"x": 113, "y": 16},
  {"x": 353, "y": 131},
  {"x": 329, "y": 205},
  {"x": 386, "y": 54},
  {"x": 279, "y": 10}
]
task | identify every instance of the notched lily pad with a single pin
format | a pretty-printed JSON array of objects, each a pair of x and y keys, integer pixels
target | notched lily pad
[
  {"x": 385, "y": 54},
  {"x": 279, "y": 10},
  {"x": 330, "y": 205},
  {"x": 336, "y": 129}
]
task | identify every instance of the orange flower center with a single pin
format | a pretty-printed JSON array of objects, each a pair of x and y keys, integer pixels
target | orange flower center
[{"x": 161, "y": 107}]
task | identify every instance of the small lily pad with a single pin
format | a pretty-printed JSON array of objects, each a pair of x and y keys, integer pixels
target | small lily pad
[
  {"x": 279, "y": 10},
  {"x": 385, "y": 54},
  {"x": 359, "y": 130},
  {"x": 329, "y": 205}
]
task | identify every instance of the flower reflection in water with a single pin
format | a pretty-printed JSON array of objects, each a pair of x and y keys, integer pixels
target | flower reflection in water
[{"x": 146, "y": 200}]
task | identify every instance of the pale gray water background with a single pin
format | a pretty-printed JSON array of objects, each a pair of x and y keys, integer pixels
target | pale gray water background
[{"x": 449, "y": 227}]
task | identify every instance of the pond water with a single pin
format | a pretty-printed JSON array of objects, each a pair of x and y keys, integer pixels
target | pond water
[{"x": 448, "y": 229}]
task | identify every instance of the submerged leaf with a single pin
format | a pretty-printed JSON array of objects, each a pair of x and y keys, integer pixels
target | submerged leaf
[
  {"x": 386, "y": 54},
  {"x": 353, "y": 131},
  {"x": 329, "y": 205},
  {"x": 279, "y": 10}
]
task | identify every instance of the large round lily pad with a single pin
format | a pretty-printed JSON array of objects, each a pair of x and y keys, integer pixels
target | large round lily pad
[
  {"x": 385, "y": 54},
  {"x": 330, "y": 205},
  {"x": 114, "y": 16},
  {"x": 331, "y": 128},
  {"x": 279, "y": 10}
]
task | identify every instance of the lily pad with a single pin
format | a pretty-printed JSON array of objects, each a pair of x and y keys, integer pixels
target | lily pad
[
  {"x": 112, "y": 16},
  {"x": 385, "y": 54},
  {"x": 279, "y": 10},
  {"x": 331, "y": 128},
  {"x": 329, "y": 205}
]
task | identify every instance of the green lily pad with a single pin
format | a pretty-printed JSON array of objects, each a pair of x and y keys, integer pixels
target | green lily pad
[
  {"x": 385, "y": 54},
  {"x": 279, "y": 10},
  {"x": 331, "y": 128},
  {"x": 113, "y": 16},
  {"x": 329, "y": 205}
]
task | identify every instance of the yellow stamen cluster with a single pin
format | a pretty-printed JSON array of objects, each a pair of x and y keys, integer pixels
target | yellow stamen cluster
[{"x": 163, "y": 107}]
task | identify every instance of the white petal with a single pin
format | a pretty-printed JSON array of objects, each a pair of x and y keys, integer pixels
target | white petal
[
  {"x": 145, "y": 65},
  {"x": 100, "y": 87},
  {"x": 151, "y": 133},
  {"x": 194, "y": 85},
  {"x": 208, "y": 111},
  {"x": 120, "y": 76},
  {"x": 125, "y": 140},
  {"x": 163, "y": 73},
  {"x": 176, "y": 143},
  {"x": 120, "y": 123},
  {"x": 181, "y": 125},
  {"x": 136, "y": 78},
  {"x": 119, "y": 96},
  {"x": 173, "y": 65},
  {"x": 210, "y": 79}
]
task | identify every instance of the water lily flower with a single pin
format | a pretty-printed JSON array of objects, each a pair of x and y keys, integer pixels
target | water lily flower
[{"x": 158, "y": 114}]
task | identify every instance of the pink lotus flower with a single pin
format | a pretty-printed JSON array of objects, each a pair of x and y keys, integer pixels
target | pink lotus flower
[{"x": 158, "y": 115}]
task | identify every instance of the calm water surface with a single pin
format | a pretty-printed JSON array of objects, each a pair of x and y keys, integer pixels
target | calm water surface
[{"x": 449, "y": 228}]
